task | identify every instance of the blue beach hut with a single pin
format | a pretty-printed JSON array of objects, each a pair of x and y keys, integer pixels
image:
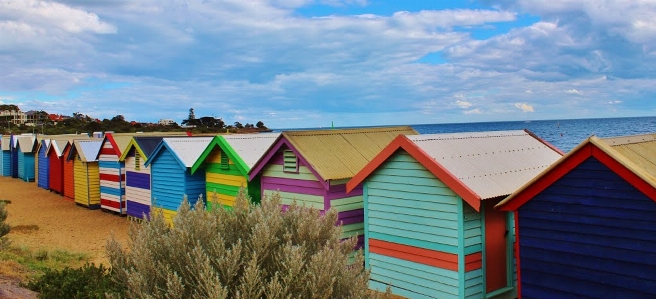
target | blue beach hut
[
  {"x": 5, "y": 170},
  {"x": 25, "y": 147},
  {"x": 431, "y": 230},
  {"x": 586, "y": 226},
  {"x": 43, "y": 164},
  {"x": 170, "y": 173}
]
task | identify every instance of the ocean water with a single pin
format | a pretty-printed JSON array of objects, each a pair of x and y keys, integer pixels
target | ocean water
[{"x": 564, "y": 134}]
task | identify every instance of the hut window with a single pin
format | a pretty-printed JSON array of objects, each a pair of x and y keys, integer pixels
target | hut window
[
  {"x": 137, "y": 161},
  {"x": 225, "y": 163},
  {"x": 290, "y": 163}
]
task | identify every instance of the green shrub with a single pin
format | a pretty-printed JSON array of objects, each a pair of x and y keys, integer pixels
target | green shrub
[
  {"x": 4, "y": 227},
  {"x": 252, "y": 251},
  {"x": 89, "y": 281}
]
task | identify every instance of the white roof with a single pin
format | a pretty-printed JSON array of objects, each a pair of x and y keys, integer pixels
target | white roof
[
  {"x": 187, "y": 149},
  {"x": 88, "y": 149},
  {"x": 59, "y": 145},
  {"x": 491, "y": 164},
  {"x": 250, "y": 147},
  {"x": 26, "y": 143},
  {"x": 6, "y": 143}
]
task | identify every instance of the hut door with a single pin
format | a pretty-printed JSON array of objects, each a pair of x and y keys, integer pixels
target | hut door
[{"x": 496, "y": 253}]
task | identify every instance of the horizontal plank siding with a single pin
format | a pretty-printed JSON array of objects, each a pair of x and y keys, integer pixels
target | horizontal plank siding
[
  {"x": 69, "y": 179},
  {"x": 168, "y": 182},
  {"x": 408, "y": 206},
  {"x": 44, "y": 167},
  {"x": 223, "y": 182},
  {"x": 302, "y": 187},
  {"x": 6, "y": 163},
  {"x": 137, "y": 186},
  {"x": 474, "y": 284},
  {"x": 80, "y": 180},
  {"x": 589, "y": 235}
]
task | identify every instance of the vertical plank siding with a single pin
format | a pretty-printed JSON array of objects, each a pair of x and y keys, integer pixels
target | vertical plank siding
[
  {"x": 26, "y": 166},
  {"x": 588, "y": 235},
  {"x": 137, "y": 187},
  {"x": 68, "y": 173},
  {"x": 87, "y": 183},
  {"x": 112, "y": 180},
  {"x": 56, "y": 172},
  {"x": 44, "y": 166}
]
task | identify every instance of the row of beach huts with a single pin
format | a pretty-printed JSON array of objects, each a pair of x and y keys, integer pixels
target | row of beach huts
[{"x": 500, "y": 214}]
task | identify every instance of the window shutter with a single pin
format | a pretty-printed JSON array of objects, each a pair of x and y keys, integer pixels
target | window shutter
[
  {"x": 137, "y": 161},
  {"x": 225, "y": 162},
  {"x": 290, "y": 163}
]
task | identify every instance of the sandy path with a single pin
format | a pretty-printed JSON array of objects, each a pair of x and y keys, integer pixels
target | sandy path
[{"x": 61, "y": 223}]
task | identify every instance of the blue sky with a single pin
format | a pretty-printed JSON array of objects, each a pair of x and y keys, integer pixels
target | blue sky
[{"x": 307, "y": 63}]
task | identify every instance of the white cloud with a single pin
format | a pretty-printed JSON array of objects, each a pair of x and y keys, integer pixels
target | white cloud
[
  {"x": 52, "y": 14},
  {"x": 614, "y": 102},
  {"x": 473, "y": 111},
  {"x": 463, "y": 104},
  {"x": 573, "y": 91},
  {"x": 524, "y": 107}
]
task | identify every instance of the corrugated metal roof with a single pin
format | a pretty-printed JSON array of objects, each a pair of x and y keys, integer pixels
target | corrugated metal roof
[
  {"x": 491, "y": 164},
  {"x": 148, "y": 144},
  {"x": 187, "y": 149},
  {"x": 88, "y": 149},
  {"x": 122, "y": 140},
  {"x": 27, "y": 143},
  {"x": 250, "y": 147},
  {"x": 639, "y": 149},
  {"x": 340, "y": 154}
]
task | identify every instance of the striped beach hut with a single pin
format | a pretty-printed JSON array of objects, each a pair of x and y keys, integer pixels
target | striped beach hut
[
  {"x": 25, "y": 149},
  {"x": 112, "y": 169},
  {"x": 6, "y": 155},
  {"x": 312, "y": 167},
  {"x": 43, "y": 165},
  {"x": 86, "y": 172},
  {"x": 56, "y": 167},
  {"x": 137, "y": 175},
  {"x": 171, "y": 179},
  {"x": 430, "y": 225},
  {"x": 586, "y": 227},
  {"x": 227, "y": 161}
]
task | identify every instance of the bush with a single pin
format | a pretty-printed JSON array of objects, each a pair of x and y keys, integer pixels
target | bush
[
  {"x": 4, "y": 227},
  {"x": 89, "y": 281},
  {"x": 252, "y": 251}
]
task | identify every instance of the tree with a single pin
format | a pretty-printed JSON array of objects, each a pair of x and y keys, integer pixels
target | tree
[
  {"x": 249, "y": 126},
  {"x": 251, "y": 251},
  {"x": 260, "y": 125},
  {"x": 191, "y": 119},
  {"x": 238, "y": 125}
]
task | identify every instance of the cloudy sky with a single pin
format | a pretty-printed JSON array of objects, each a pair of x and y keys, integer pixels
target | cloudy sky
[{"x": 305, "y": 63}]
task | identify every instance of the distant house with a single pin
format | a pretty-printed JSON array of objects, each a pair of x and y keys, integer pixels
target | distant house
[
  {"x": 57, "y": 118},
  {"x": 166, "y": 122},
  {"x": 431, "y": 230},
  {"x": 16, "y": 117},
  {"x": 586, "y": 226}
]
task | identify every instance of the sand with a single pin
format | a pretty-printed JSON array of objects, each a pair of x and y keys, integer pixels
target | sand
[{"x": 41, "y": 219}]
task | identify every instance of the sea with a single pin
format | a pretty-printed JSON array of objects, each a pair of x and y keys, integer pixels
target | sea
[{"x": 565, "y": 134}]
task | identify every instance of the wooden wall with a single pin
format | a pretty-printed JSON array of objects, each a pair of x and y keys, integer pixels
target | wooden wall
[
  {"x": 589, "y": 235},
  {"x": 56, "y": 172},
  {"x": 302, "y": 186},
  {"x": 171, "y": 182},
  {"x": 87, "y": 183},
  {"x": 26, "y": 166},
  {"x": 222, "y": 185},
  {"x": 413, "y": 234},
  {"x": 43, "y": 165},
  {"x": 69, "y": 179},
  {"x": 14, "y": 159},
  {"x": 137, "y": 186},
  {"x": 112, "y": 180},
  {"x": 6, "y": 162}
]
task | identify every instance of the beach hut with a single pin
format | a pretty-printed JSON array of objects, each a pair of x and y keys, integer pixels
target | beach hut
[
  {"x": 171, "y": 179},
  {"x": 56, "y": 165},
  {"x": 312, "y": 167},
  {"x": 43, "y": 164},
  {"x": 227, "y": 161},
  {"x": 26, "y": 146},
  {"x": 14, "y": 156},
  {"x": 6, "y": 155},
  {"x": 68, "y": 177},
  {"x": 112, "y": 169},
  {"x": 137, "y": 175},
  {"x": 586, "y": 226},
  {"x": 430, "y": 225},
  {"x": 86, "y": 174}
]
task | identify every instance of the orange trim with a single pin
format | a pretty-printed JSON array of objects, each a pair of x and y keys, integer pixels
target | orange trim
[
  {"x": 624, "y": 173},
  {"x": 473, "y": 261},
  {"x": 428, "y": 257},
  {"x": 548, "y": 178},
  {"x": 402, "y": 142}
]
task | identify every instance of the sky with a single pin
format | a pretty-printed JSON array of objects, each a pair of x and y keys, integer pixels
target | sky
[{"x": 310, "y": 63}]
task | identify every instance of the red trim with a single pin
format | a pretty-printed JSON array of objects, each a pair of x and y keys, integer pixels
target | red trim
[
  {"x": 111, "y": 203},
  {"x": 414, "y": 254},
  {"x": 624, "y": 173},
  {"x": 473, "y": 261},
  {"x": 109, "y": 177},
  {"x": 551, "y": 146},
  {"x": 402, "y": 142},
  {"x": 546, "y": 179},
  {"x": 517, "y": 261}
]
